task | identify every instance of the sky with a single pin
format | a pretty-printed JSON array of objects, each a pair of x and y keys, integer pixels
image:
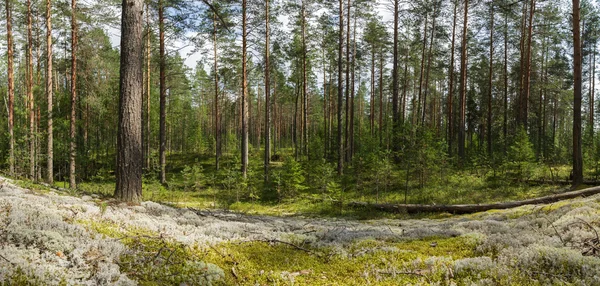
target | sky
[{"x": 191, "y": 58}]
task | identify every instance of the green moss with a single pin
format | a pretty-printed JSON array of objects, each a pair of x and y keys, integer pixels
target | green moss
[
  {"x": 156, "y": 260},
  {"x": 19, "y": 278},
  {"x": 360, "y": 263}
]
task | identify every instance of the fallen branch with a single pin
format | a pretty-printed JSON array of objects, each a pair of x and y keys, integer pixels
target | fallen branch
[
  {"x": 6, "y": 259},
  {"x": 473, "y": 208},
  {"x": 292, "y": 245},
  {"x": 557, "y": 182}
]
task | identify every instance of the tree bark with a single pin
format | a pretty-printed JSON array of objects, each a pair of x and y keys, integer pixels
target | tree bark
[
  {"x": 217, "y": 117},
  {"x": 30, "y": 99},
  {"x": 49, "y": 95},
  {"x": 347, "y": 95},
  {"x": 451, "y": 85},
  {"x": 352, "y": 91},
  {"x": 73, "y": 145},
  {"x": 148, "y": 87},
  {"x": 267, "y": 96},
  {"x": 11, "y": 88},
  {"x": 395, "y": 115},
  {"x": 163, "y": 95},
  {"x": 527, "y": 69},
  {"x": 422, "y": 71},
  {"x": 340, "y": 164},
  {"x": 429, "y": 55},
  {"x": 463, "y": 86},
  {"x": 129, "y": 137},
  {"x": 577, "y": 156},
  {"x": 592, "y": 92},
  {"x": 380, "y": 97},
  {"x": 244, "y": 94},
  {"x": 505, "y": 117},
  {"x": 372, "y": 102},
  {"x": 304, "y": 83},
  {"x": 490, "y": 83}
]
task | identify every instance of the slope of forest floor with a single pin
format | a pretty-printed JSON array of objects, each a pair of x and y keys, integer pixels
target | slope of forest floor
[{"x": 51, "y": 238}]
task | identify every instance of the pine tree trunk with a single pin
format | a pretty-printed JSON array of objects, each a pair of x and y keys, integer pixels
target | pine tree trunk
[
  {"x": 304, "y": 82},
  {"x": 49, "y": 89},
  {"x": 352, "y": 92},
  {"x": 527, "y": 70},
  {"x": 129, "y": 138},
  {"x": 577, "y": 157},
  {"x": 217, "y": 117},
  {"x": 163, "y": 95},
  {"x": 592, "y": 92},
  {"x": 505, "y": 117},
  {"x": 380, "y": 97},
  {"x": 73, "y": 146},
  {"x": 422, "y": 69},
  {"x": 522, "y": 52},
  {"x": 404, "y": 86},
  {"x": 395, "y": 115},
  {"x": 244, "y": 94},
  {"x": 429, "y": 54},
  {"x": 11, "y": 87},
  {"x": 267, "y": 96},
  {"x": 347, "y": 95},
  {"x": 148, "y": 87},
  {"x": 30, "y": 99},
  {"x": 372, "y": 102},
  {"x": 490, "y": 83},
  {"x": 463, "y": 86},
  {"x": 340, "y": 164},
  {"x": 451, "y": 85}
]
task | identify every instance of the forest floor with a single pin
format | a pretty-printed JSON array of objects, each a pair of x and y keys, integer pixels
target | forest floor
[{"x": 53, "y": 238}]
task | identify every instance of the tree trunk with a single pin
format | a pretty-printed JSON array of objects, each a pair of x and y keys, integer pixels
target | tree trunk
[
  {"x": 244, "y": 94},
  {"x": 304, "y": 83},
  {"x": 541, "y": 115},
  {"x": 352, "y": 91},
  {"x": 267, "y": 96},
  {"x": 163, "y": 94},
  {"x": 347, "y": 95},
  {"x": 490, "y": 83},
  {"x": 527, "y": 70},
  {"x": 422, "y": 69},
  {"x": 49, "y": 89},
  {"x": 522, "y": 54},
  {"x": 129, "y": 139},
  {"x": 592, "y": 92},
  {"x": 429, "y": 54},
  {"x": 380, "y": 97},
  {"x": 395, "y": 115},
  {"x": 463, "y": 86},
  {"x": 217, "y": 117},
  {"x": 404, "y": 87},
  {"x": 340, "y": 165},
  {"x": 11, "y": 88},
  {"x": 148, "y": 87},
  {"x": 577, "y": 157},
  {"x": 451, "y": 84},
  {"x": 30, "y": 99},
  {"x": 505, "y": 117},
  {"x": 73, "y": 146},
  {"x": 372, "y": 102}
]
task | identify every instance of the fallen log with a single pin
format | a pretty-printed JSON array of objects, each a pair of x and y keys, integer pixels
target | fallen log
[
  {"x": 474, "y": 208},
  {"x": 557, "y": 182}
]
